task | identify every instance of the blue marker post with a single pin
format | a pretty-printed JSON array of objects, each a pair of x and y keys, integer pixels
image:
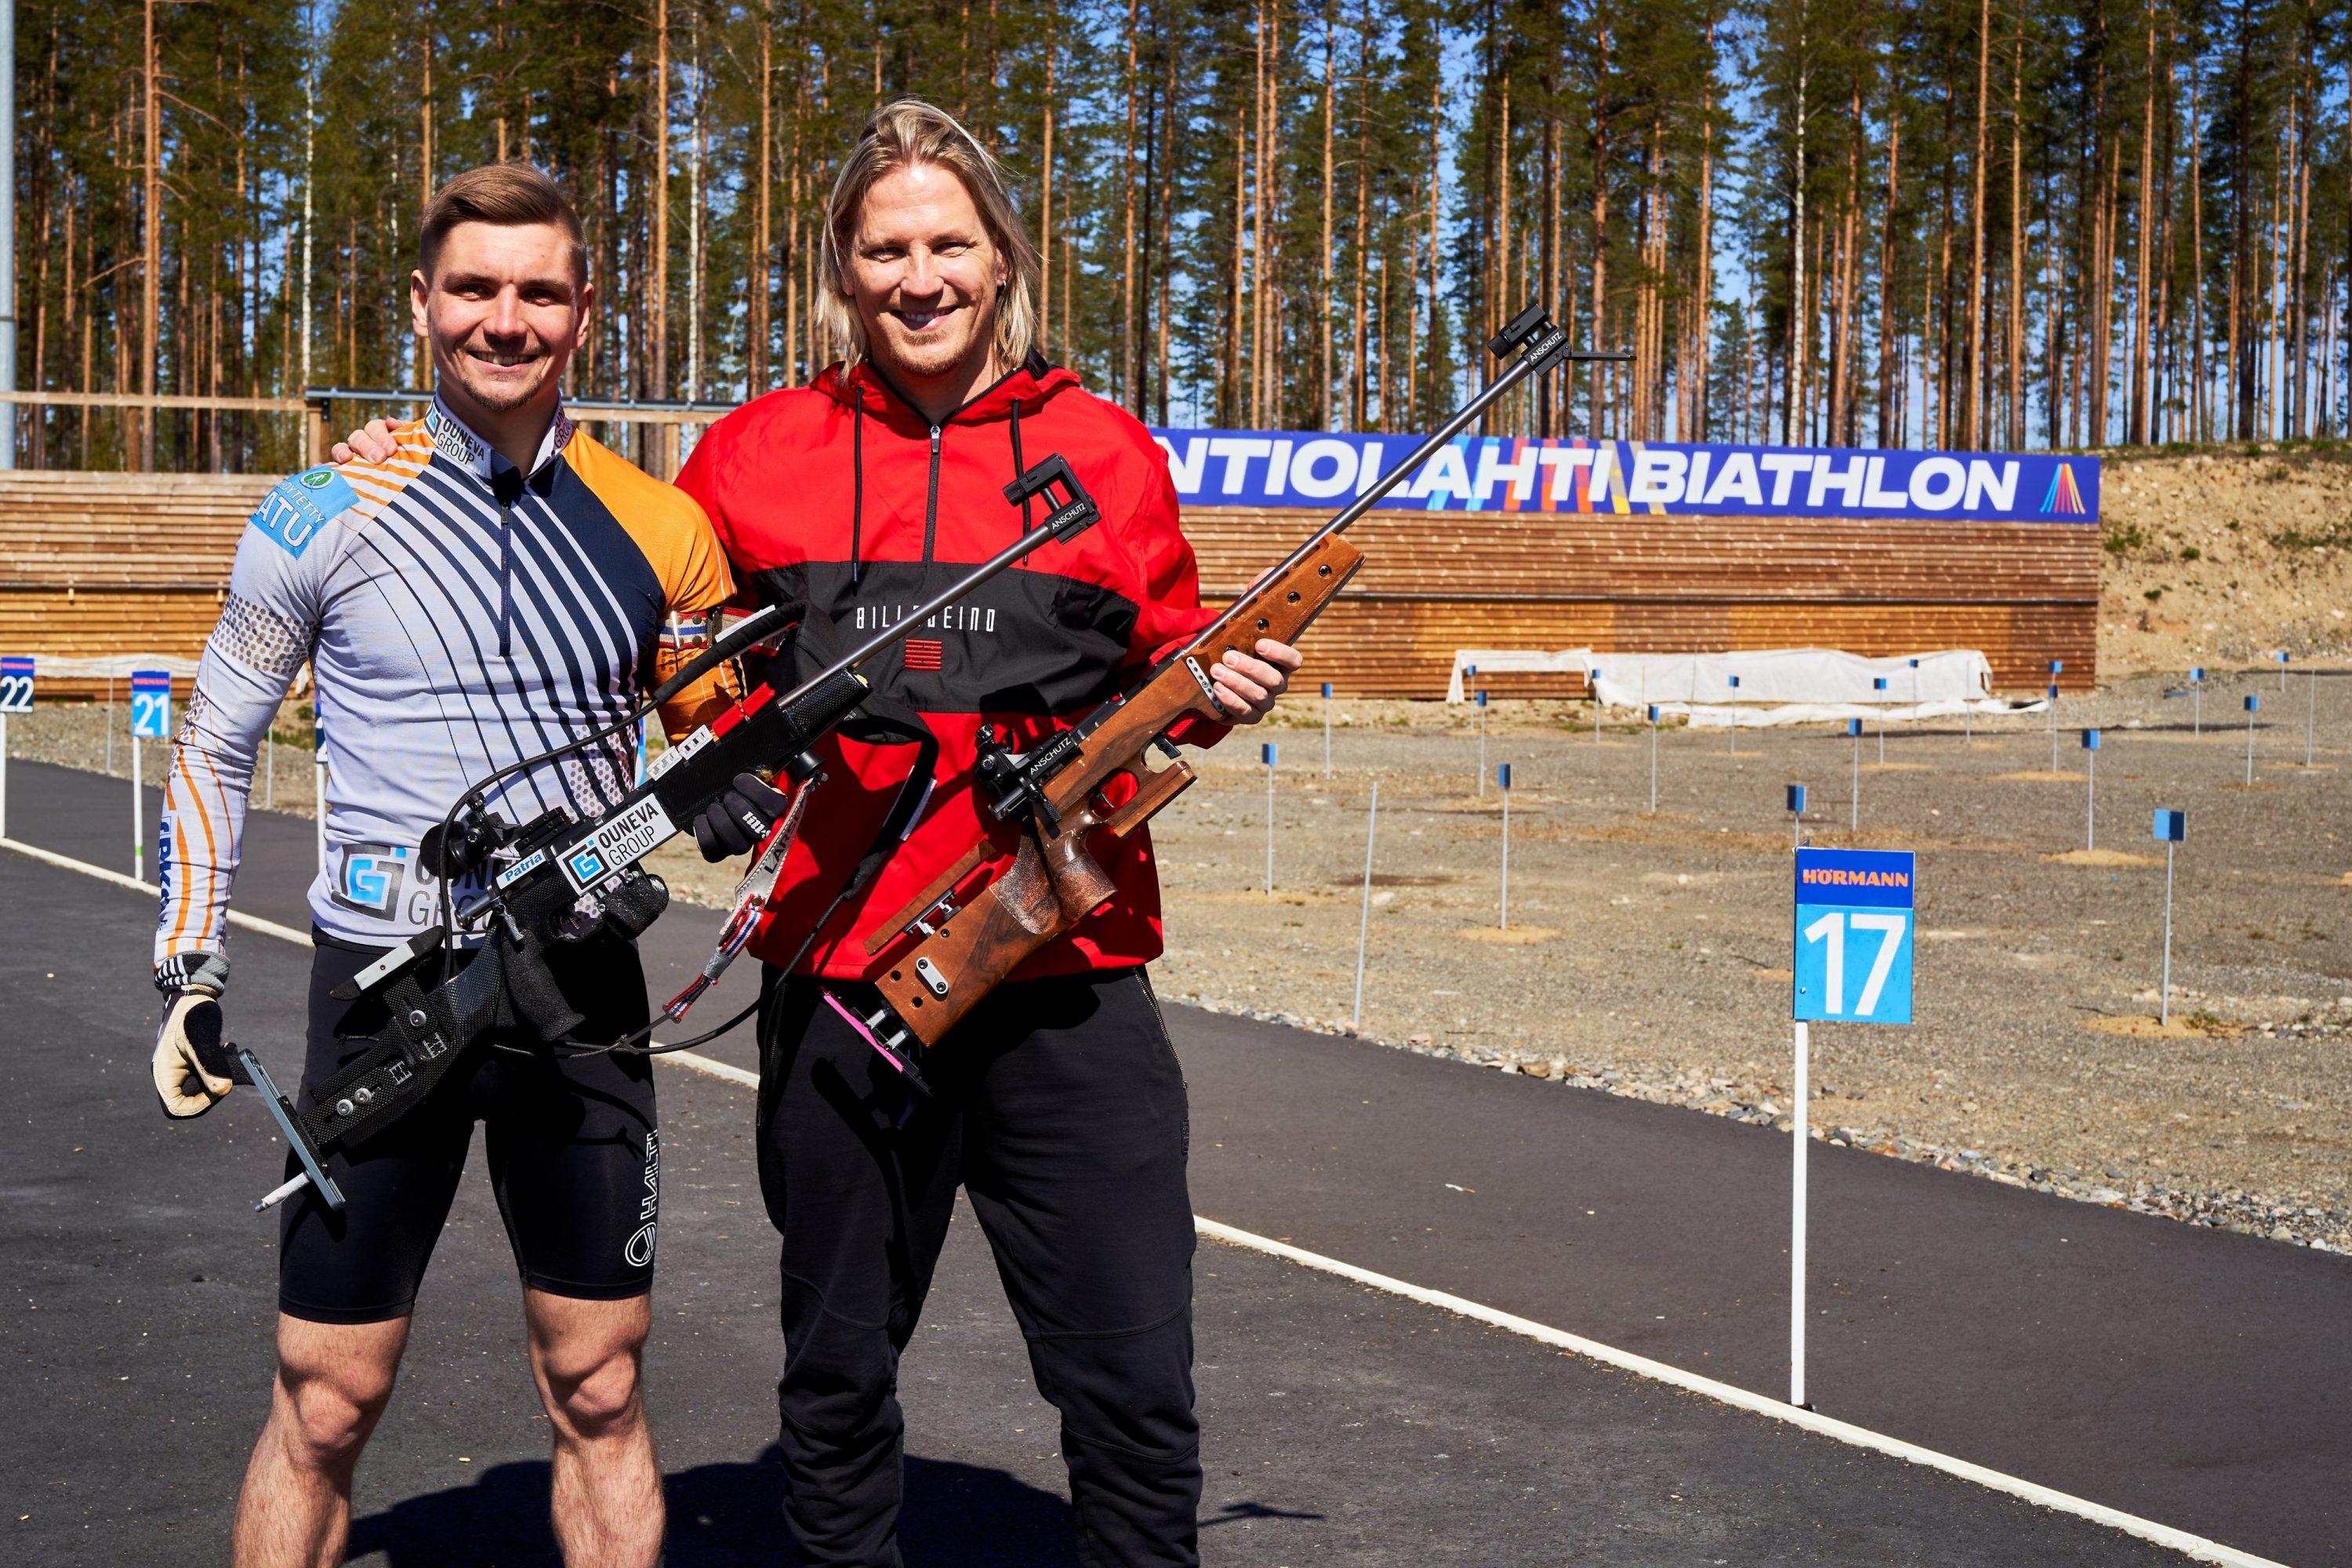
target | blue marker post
[
  {"x": 2197, "y": 702},
  {"x": 1593, "y": 676},
  {"x": 15, "y": 697},
  {"x": 1482, "y": 745},
  {"x": 2281, "y": 656},
  {"x": 1503, "y": 782},
  {"x": 2172, "y": 828},
  {"x": 1735, "y": 715},
  {"x": 1866, "y": 892},
  {"x": 2091, "y": 789},
  {"x": 1878, "y": 683},
  {"x": 1915, "y": 694},
  {"x": 1653, "y": 759},
  {"x": 1796, "y": 815},
  {"x": 150, "y": 720},
  {"x": 1854, "y": 821},
  {"x": 2254, "y": 706},
  {"x": 1327, "y": 729},
  {"x": 1265, "y": 755}
]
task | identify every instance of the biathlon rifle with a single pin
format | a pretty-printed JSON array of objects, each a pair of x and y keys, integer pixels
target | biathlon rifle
[
  {"x": 556, "y": 880},
  {"x": 994, "y": 907}
]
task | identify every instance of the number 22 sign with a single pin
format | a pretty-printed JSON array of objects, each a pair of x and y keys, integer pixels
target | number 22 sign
[{"x": 1852, "y": 938}]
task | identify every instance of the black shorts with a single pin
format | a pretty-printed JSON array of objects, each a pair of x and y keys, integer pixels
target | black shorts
[{"x": 575, "y": 1155}]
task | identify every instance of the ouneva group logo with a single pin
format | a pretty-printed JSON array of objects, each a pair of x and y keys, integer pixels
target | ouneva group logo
[{"x": 1293, "y": 468}]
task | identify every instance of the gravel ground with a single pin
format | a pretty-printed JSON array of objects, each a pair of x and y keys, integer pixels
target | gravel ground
[{"x": 1647, "y": 955}]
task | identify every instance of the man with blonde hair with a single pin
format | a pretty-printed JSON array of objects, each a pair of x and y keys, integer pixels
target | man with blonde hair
[
  {"x": 1060, "y": 1106},
  {"x": 494, "y": 583}
]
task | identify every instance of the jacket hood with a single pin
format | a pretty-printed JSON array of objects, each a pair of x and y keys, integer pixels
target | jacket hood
[{"x": 863, "y": 388}]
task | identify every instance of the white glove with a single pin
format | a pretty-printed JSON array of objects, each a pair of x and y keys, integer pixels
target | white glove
[{"x": 191, "y": 1069}]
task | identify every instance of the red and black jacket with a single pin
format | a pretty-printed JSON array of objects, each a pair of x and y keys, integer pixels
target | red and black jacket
[{"x": 841, "y": 497}]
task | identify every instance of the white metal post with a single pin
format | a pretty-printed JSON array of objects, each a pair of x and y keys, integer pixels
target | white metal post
[
  {"x": 110, "y": 726},
  {"x": 1593, "y": 677},
  {"x": 2310, "y": 713},
  {"x": 1796, "y": 1221},
  {"x": 1482, "y": 745},
  {"x": 1653, "y": 759},
  {"x": 1327, "y": 729},
  {"x": 1505, "y": 780},
  {"x": 1853, "y": 815},
  {"x": 138, "y": 812},
  {"x": 2164, "y": 1002},
  {"x": 1364, "y": 921},
  {"x": 2091, "y": 799},
  {"x": 1266, "y": 752},
  {"x": 4, "y": 775}
]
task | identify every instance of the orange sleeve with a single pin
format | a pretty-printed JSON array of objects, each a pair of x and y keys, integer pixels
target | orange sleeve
[{"x": 673, "y": 532}]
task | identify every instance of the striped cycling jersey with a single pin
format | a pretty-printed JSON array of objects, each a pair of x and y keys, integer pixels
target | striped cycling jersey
[{"x": 458, "y": 614}]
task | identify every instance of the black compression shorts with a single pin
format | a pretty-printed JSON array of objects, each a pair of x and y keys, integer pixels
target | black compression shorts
[{"x": 574, "y": 1154}]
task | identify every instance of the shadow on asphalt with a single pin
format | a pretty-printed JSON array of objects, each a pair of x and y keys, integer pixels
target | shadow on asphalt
[{"x": 722, "y": 1515}]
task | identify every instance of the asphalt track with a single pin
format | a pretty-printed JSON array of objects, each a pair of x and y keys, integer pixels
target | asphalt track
[{"x": 2192, "y": 1377}]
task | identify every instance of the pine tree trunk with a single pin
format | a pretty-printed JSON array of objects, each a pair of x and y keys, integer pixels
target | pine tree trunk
[
  {"x": 1973, "y": 346},
  {"x": 1324, "y": 301},
  {"x": 2141, "y": 315},
  {"x": 1128, "y": 383},
  {"x": 658, "y": 304},
  {"x": 2017, "y": 239}
]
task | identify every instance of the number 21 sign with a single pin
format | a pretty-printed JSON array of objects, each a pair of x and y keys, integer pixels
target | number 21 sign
[{"x": 1853, "y": 935}]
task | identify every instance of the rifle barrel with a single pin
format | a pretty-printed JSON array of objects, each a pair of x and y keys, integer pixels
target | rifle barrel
[{"x": 1525, "y": 364}]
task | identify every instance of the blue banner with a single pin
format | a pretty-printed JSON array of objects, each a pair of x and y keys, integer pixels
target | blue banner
[{"x": 1510, "y": 473}]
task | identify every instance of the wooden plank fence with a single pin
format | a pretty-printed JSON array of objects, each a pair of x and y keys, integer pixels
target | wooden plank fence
[{"x": 105, "y": 563}]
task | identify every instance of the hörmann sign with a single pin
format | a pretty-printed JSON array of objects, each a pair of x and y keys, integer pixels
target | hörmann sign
[{"x": 1304, "y": 468}]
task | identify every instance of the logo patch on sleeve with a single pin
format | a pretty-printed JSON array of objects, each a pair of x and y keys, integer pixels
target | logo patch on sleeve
[{"x": 294, "y": 512}]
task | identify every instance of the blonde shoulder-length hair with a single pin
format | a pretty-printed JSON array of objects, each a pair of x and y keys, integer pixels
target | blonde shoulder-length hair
[{"x": 901, "y": 135}]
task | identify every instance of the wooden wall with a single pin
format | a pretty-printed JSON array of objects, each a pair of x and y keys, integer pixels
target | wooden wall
[
  {"x": 93, "y": 564},
  {"x": 104, "y": 563},
  {"x": 2024, "y": 593}
]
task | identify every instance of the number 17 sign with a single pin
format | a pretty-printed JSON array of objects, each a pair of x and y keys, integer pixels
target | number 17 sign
[{"x": 1853, "y": 935}]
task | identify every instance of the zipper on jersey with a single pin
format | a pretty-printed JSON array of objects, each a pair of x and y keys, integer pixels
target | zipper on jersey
[
  {"x": 931, "y": 503},
  {"x": 506, "y": 488},
  {"x": 506, "y": 579}
]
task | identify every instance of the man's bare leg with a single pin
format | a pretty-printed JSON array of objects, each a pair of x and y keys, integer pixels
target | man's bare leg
[
  {"x": 587, "y": 1356},
  {"x": 333, "y": 1382}
]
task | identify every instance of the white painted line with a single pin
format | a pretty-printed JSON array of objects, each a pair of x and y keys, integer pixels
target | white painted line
[
  {"x": 713, "y": 1066},
  {"x": 694, "y": 1059},
  {"x": 2196, "y": 1548},
  {"x": 235, "y": 918}
]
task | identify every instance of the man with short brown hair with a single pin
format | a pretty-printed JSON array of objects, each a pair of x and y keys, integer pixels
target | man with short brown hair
[{"x": 496, "y": 583}]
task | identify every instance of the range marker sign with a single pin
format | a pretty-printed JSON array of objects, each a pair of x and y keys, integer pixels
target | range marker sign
[{"x": 1853, "y": 935}]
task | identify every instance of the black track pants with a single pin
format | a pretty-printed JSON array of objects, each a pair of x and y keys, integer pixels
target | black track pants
[{"x": 1061, "y": 1111}]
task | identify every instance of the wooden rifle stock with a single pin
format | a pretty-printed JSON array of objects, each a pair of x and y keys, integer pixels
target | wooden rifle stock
[{"x": 962, "y": 953}]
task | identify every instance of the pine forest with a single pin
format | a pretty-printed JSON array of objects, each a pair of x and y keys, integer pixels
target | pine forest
[{"x": 1930, "y": 223}]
